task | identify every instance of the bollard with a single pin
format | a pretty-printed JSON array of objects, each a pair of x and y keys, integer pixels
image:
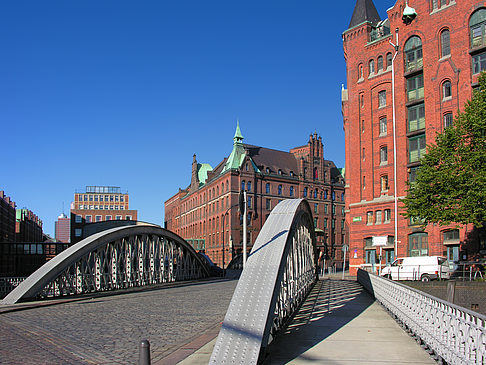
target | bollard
[
  {"x": 144, "y": 353},
  {"x": 451, "y": 289}
]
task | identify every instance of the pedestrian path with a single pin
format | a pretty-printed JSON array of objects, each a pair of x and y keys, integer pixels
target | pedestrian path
[{"x": 340, "y": 323}]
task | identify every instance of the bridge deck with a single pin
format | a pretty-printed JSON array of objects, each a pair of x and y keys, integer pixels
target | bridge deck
[{"x": 339, "y": 323}]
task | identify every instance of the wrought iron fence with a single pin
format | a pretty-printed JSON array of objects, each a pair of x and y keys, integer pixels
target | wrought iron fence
[
  {"x": 7, "y": 284},
  {"x": 453, "y": 333}
]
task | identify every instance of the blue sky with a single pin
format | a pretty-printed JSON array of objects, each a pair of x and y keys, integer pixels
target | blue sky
[{"x": 123, "y": 93}]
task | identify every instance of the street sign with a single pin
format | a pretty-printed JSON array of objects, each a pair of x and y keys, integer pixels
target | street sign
[{"x": 380, "y": 241}]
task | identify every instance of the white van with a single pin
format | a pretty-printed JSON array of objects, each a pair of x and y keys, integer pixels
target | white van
[{"x": 424, "y": 268}]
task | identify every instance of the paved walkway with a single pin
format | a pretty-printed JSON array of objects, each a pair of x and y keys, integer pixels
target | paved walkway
[
  {"x": 339, "y": 323},
  {"x": 108, "y": 329}
]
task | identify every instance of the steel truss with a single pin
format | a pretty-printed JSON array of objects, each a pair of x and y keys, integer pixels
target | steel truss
[
  {"x": 118, "y": 258},
  {"x": 280, "y": 272},
  {"x": 454, "y": 334}
]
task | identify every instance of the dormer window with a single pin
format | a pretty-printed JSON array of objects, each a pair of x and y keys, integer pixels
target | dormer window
[{"x": 279, "y": 172}]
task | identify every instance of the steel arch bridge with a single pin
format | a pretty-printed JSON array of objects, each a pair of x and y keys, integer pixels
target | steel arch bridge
[
  {"x": 279, "y": 273},
  {"x": 116, "y": 258}
]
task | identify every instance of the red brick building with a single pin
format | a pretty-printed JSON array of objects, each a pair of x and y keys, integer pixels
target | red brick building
[
  {"x": 402, "y": 96},
  {"x": 7, "y": 218},
  {"x": 28, "y": 226},
  {"x": 206, "y": 212},
  {"x": 98, "y": 204}
]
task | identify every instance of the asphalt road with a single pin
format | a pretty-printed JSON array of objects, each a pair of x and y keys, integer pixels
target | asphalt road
[{"x": 108, "y": 329}]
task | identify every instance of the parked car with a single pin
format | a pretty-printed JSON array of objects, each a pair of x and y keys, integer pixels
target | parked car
[{"x": 424, "y": 268}]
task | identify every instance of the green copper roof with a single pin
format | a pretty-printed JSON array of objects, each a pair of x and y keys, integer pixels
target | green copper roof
[
  {"x": 238, "y": 154},
  {"x": 238, "y": 135},
  {"x": 202, "y": 172}
]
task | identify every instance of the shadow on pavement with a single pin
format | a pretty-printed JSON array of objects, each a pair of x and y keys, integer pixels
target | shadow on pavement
[{"x": 330, "y": 306}]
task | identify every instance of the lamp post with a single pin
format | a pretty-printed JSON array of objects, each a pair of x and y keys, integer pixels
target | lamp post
[{"x": 224, "y": 216}]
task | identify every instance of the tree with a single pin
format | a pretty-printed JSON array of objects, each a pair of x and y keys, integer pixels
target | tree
[{"x": 451, "y": 182}]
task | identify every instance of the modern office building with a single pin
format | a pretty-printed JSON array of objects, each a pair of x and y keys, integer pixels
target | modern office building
[
  {"x": 63, "y": 228},
  {"x": 206, "y": 212},
  {"x": 98, "y": 204},
  {"x": 408, "y": 75}
]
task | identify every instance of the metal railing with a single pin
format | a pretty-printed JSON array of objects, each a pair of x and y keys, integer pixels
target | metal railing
[
  {"x": 454, "y": 334},
  {"x": 7, "y": 284}
]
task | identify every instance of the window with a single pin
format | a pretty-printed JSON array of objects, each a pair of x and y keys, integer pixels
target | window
[
  {"x": 305, "y": 192},
  {"x": 316, "y": 173},
  {"x": 445, "y": 43},
  {"x": 382, "y": 99},
  {"x": 315, "y": 194},
  {"x": 417, "y": 244},
  {"x": 316, "y": 207},
  {"x": 342, "y": 197},
  {"x": 108, "y": 218},
  {"x": 364, "y": 182},
  {"x": 325, "y": 223},
  {"x": 111, "y": 198},
  {"x": 117, "y": 198},
  {"x": 369, "y": 218},
  {"x": 249, "y": 201},
  {"x": 383, "y": 129},
  {"x": 479, "y": 63},
  {"x": 360, "y": 71},
  {"x": 98, "y": 218},
  {"x": 291, "y": 191},
  {"x": 118, "y": 217},
  {"x": 451, "y": 236},
  {"x": 412, "y": 175},
  {"x": 477, "y": 25},
  {"x": 78, "y": 232},
  {"x": 416, "y": 148},
  {"x": 267, "y": 188},
  {"x": 333, "y": 195},
  {"x": 333, "y": 224},
  {"x": 389, "y": 59},
  {"x": 387, "y": 218},
  {"x": 268, "y": 205},
  {"x": 383, "y": 155},
  {"x": 121, "y": 198},
  {"x": 371, "y": 65},
  {"x": 380, "y": 63},
  {"x": 446, "y": 90},
  {"x": 447, "y": 120},
  {"x": 90, "y": 198},
  {"x": 364, "y": 154},
  {"x": 88, "y": 219},
  {"x": 415, "y": 87},
  {"x": 325, "y": 208},
  {"x": 343, "y": 222},
  {"x": 78, "y": 219},
  {"x": 249, "y": 186},
  {"x": 378, "y": 217},
  {"x": 315, "y": 222},
  {"x": 96, "y": 198},
  {"x": 325, "y": 194},
  {"x": 384, "y": 183},
  {"x": 280, "y": 190},
  {"x": 243, "y": 184},
  {"x": 416, "y": 117},
  {"x": 413, "y": 54},
  {"x": 101, "y": 198}
]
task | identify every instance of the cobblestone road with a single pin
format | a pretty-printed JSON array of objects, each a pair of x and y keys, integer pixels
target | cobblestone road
[{"x": 107, "y": 330}]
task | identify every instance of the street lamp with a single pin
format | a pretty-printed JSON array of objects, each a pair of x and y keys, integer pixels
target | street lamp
[{"x": 224, "y": 216}]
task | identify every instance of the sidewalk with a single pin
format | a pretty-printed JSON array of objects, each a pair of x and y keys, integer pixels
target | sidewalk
[{"x": 339, "y": 323}]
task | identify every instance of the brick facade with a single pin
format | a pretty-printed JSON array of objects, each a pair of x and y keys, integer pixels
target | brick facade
[{"x": 436, "y": 67}]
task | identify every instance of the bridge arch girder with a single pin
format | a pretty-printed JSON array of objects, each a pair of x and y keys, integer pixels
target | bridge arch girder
[
  {"x": 116, "y": 258},
  {"x": 279, "y": 273}
]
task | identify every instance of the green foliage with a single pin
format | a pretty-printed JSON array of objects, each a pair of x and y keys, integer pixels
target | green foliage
[{"x": 451, "y": 181}]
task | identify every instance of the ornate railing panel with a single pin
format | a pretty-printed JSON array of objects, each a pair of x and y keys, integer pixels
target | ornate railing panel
[
  {"x": 455, "y": 334},
  {"x": 117, "y": 258},
  {"x": 279, "y": 273}
]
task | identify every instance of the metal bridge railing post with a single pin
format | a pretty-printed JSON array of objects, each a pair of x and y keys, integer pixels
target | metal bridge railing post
[{"x": 144, "y": 353}]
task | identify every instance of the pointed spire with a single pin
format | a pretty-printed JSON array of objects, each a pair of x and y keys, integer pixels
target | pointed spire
[
  {"x": 364, "y": 10},
  {"x": 238, "y": 137}
]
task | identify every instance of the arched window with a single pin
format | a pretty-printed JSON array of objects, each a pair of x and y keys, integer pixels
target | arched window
[
  {"x": 389, "y": 58},
  {"x": 413, "y": 54},
  {"x": 371, "y": 65},
  {"x": 477, "y": 25},
  {"x": 267, "y": 188},
  {"x": 315, "y": 194},
  {"x": 316, "y": 173},
  {"x": 280, "y": 190},
  {"x": 243, "y": 185},
  {"x": 249, "y": 186},
  {"x": 305, "y": 192},
  {"x": 380, "y": 63},
  {"x": 446, "y": 90},
  {"x": 445, "y": 43},
  {"x": 291, "y": 191},
  {"x": 360, "y": 72}
]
